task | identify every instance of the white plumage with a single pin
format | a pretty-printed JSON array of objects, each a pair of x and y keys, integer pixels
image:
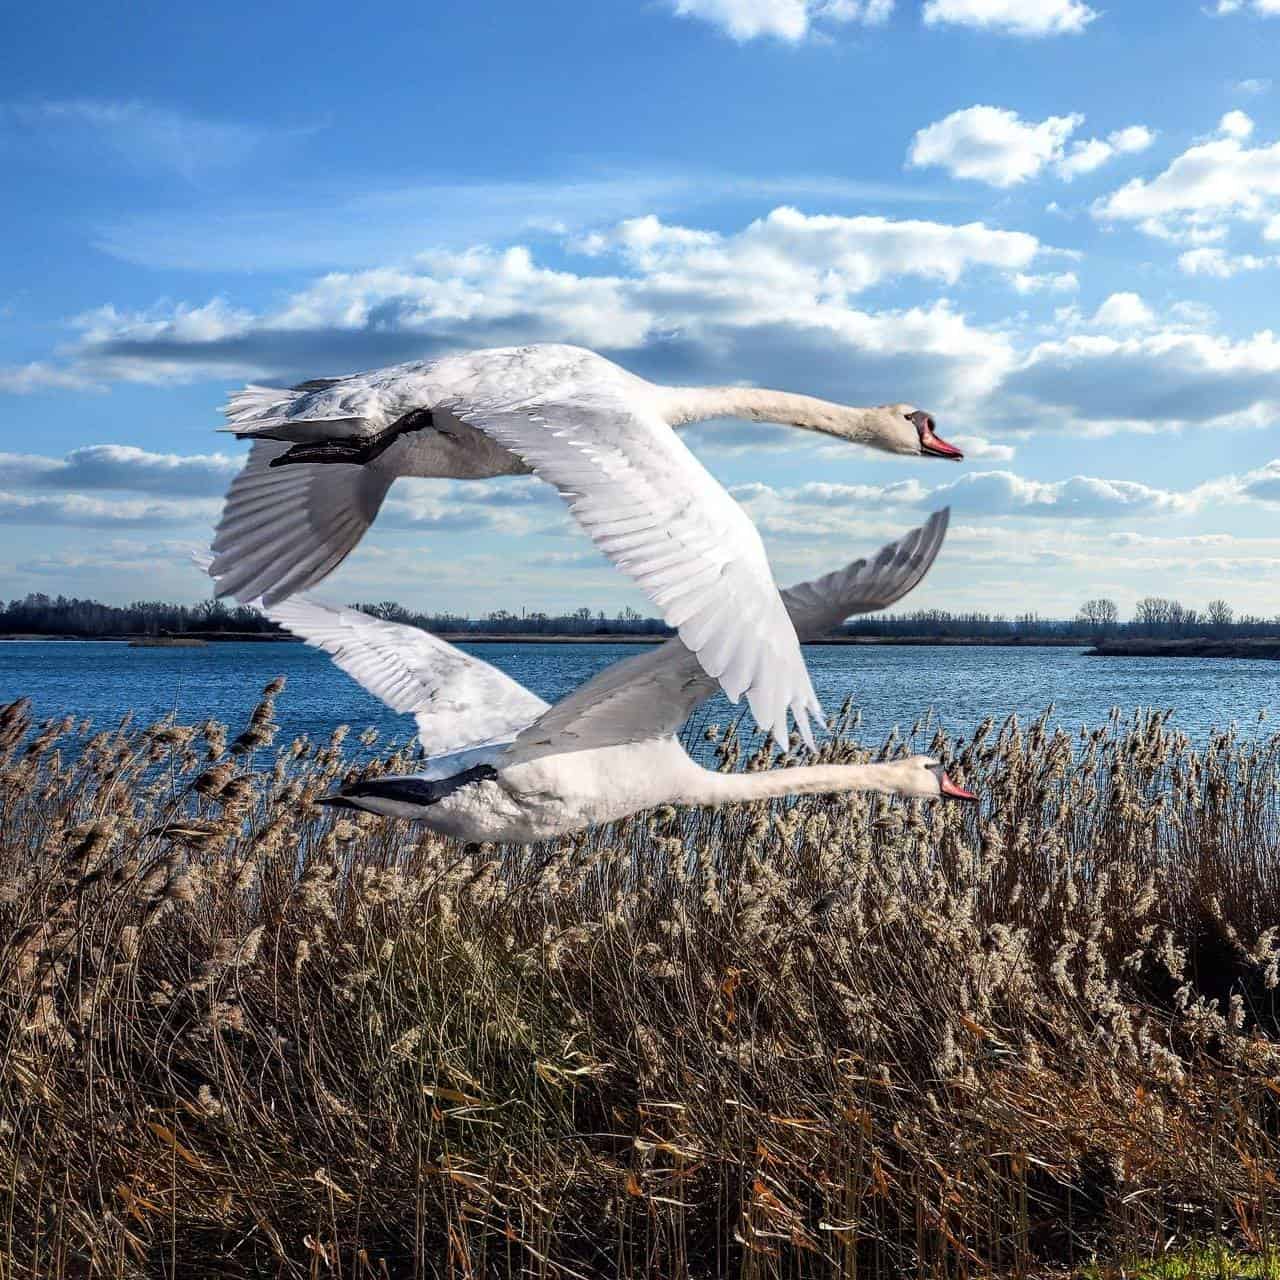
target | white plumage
[
  {"x": 506, "y": 767},
  {"x": 326, "y": 452}
]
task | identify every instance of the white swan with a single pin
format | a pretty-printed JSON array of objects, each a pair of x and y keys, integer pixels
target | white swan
[
  {"x": 507, "y": 767},
  {"x": 601, "y": 435}
]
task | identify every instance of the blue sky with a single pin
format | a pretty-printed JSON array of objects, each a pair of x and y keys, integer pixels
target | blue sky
[{"x": 1054, "y": 224}]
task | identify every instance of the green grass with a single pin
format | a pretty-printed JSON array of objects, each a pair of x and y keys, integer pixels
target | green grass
[{"x": 1208, "y": 1262}]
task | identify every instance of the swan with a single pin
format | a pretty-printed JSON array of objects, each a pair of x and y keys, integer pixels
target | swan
[
  {"x": 506, "y": 767},
  {"x": 601, "y": 435}
]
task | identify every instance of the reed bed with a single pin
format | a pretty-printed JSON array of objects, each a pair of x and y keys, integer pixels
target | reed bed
[{"x": 243, "y": 1035}]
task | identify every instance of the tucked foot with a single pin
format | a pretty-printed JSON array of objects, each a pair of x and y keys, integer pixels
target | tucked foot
[
  {"x": 328, "y": 451},
  {"x": 355, "y": 452}
]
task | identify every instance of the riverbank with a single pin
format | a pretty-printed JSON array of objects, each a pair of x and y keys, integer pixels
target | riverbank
[{"x": 1202, "y": 647}]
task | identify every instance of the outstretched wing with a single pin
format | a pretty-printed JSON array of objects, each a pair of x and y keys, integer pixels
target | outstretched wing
[
  {"x": 284, "y": 528},
  {"x": 867, "y": 586},
  {"x": 659, "y": 515},
  {"x": 580, "y": 423},
  {"x": 652, "y": 694},
  {"x": 458, "y": 701}
]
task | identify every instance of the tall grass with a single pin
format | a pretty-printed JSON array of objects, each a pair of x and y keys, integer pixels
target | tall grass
[{"x": 241, "y": 1036}]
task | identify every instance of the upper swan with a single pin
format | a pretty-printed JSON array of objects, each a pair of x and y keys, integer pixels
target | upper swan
[{"x": 326, "y": 452}]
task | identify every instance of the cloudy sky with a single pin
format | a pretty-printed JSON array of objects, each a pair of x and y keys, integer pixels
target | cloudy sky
[{"x": 1055, "y": 224}]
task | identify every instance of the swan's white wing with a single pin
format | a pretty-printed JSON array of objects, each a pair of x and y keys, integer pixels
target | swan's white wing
[
  {"x": 661, "y": 517},
  {"x": 652, "y": 694},
  {"x": 307, "y": 517},
  {"x": 866, "y": 586},
  {"x": 458, "y": 701}
]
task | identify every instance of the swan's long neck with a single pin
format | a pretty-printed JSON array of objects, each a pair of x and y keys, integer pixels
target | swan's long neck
[
  {"x": 696, "y": 404},
  {"x": 822, "y": 779}
]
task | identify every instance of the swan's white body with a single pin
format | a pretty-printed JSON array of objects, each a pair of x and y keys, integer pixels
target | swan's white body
[
  {"x": 507, "y": 767},
  {"x": 602, "y": 436}
]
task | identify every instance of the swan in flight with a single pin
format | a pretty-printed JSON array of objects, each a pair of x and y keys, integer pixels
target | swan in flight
[
  {"x": 504, "y": 766},
  {"x": 325, "y": 453}
]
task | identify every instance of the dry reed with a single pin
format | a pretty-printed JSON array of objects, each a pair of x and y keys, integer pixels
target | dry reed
[{"x": 241, "y": 1036}]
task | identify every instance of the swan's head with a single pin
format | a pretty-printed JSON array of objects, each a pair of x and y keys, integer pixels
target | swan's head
[
  {"x": 902, "y": 428},
  {"x": 924, "y": 778}
]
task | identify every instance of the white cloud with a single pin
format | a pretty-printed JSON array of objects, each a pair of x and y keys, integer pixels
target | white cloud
[
  {"x": 1263, "y": 8},
  {"x": 1014, "y": 17},
  {"x": 789, "y": 20},
  {"x": 1254, "y": 87},
  {"x": 1124, "y": 311},
  {"x": 79, "y": 510},
  {"x": 1091, "y": 154},
  {"x": 1204, "y": 189},
  {"x": 121, "y": 467},
  {"x": 981, "y": 447},
  {"x": 1212, "y": 261},
  {"x": 1153, "y": 380},
  {"x": 1236, "y": 124},
  {"x": 1060, "y": 282},
  {"x": 991, "y": 144},
  {"x": 996, "y": 146},
  {"x": 777, "y": 298}
]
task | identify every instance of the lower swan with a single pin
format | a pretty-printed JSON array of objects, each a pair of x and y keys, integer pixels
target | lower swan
[{"x": 504, "y": 766}]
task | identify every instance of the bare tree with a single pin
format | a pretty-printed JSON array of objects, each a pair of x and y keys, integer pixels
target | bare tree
[
  {"x": 1153, "y": 613},
  {"x": 1100, "y": 615},
  {"x": 1220, "y": 614}
]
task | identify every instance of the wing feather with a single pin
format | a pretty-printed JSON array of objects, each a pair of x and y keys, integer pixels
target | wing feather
[
  {"x": 458, "y": 700},
  {"x": 658, "y": 514},
  {"x": 652, "y": 694}
]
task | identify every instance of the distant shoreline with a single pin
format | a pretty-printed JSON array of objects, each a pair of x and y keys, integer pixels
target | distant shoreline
[
  {"x": 1198, "y": 648},
  {"x": 489, "y": 637},
  {"x": 1202, "y": 647}
]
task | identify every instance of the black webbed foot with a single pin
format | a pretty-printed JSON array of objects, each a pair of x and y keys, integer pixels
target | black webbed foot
[
  {"x": 355, "y": 452},
  {"x": 351, "y": 452}
]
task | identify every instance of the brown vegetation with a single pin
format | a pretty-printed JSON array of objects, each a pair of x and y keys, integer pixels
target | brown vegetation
[{"x": 847, "y": 1037}]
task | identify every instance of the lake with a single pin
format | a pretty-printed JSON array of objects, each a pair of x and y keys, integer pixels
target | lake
[{"x": 893, "y": 686}]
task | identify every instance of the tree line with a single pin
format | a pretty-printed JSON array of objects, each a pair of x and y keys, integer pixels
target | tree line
[{"x": 41, "y": 615}]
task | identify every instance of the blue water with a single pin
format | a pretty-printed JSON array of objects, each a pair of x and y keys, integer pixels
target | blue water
[{"x": 893, "y": 686}]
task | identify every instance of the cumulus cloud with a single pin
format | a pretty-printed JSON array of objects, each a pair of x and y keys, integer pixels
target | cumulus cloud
[
  {"x": 1212, "y": 183},
  {"x": 1006, "y": 494},
  {"x": 789, "y": 20},
  {"x": 992, "y": 144},
  {"x": 1262, "y": 8},
  {"x": 982, "y": 493},
  {"x": 1163, "y": 377},
  {"x": 980, "y": 447},
  {"x": 1124, "y": 311},
  {"x": 90, "y": 512},
  {"x": 1015, "y": 17},
  {"x": 1054, "y": 282},
  {"x": 681, "y": 304},
  {"x": 123, "y": 468},
  {"x": 1210, "y": 260},
  {"x": 996, "y": 146},
  {"x": 1091, "y": 154}
]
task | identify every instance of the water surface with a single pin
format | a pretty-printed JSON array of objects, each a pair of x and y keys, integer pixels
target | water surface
[{"x": 891, "y": 685}]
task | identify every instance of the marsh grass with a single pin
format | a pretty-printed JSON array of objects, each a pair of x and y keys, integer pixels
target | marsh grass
[{"x": 241, "y": 1036}]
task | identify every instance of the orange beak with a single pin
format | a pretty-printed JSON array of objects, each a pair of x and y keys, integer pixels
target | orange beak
[
  {"x": 949, "y": 789},
  {"x": 939, "y": 448}
]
